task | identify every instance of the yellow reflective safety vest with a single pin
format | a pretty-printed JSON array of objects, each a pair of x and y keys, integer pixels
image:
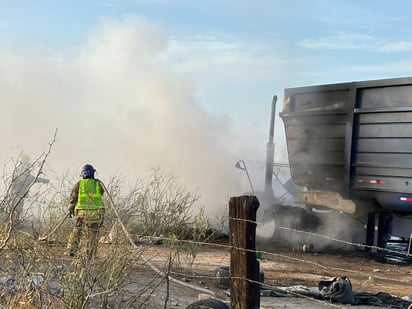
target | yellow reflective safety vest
[{"x": 90, "y": 195}]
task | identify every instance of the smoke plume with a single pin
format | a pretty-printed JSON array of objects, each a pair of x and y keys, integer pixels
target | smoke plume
[{"x": 117, "y": 105}]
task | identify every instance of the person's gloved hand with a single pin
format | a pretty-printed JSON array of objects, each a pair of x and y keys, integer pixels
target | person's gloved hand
[{"x": 71, "y": 210}]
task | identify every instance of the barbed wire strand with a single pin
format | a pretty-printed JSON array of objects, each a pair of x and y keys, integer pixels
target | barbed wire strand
[
  {"x": 278, "y": 255},
  {"x": 206, "y": 291},
  {"x": 267, "y": 253},
  {"x": 228, "y": 247},
  {"x": 153, "y": 267},
  {"x": 362, "y": 246}
]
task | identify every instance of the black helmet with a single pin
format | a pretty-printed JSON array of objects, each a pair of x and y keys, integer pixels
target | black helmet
[{"x": 87, "y": 171}]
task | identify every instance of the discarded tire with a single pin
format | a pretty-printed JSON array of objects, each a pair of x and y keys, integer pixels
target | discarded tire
[
  {"x": 307, "y": 248},
  {"x": 222, "y": 277},
  {"x": 208, "y": 304}
]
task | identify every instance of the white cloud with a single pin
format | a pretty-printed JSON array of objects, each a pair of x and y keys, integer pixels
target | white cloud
[
  {"x": 397, "y": 46},
  {"x": 239, "y": 70},
  {"x": 388, "y": 69},
  {"x": 357, "y": 41}
]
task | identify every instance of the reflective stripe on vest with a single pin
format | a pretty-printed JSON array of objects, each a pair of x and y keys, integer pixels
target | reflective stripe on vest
[{"x": 90, "y": 195}]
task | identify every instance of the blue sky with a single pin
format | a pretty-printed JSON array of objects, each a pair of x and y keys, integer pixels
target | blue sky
[
  {"x": 186, "y": 85},
  {"x": 321, "y": 41}
]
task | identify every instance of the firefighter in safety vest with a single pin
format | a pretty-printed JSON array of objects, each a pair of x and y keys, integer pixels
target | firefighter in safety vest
[{"x": 86, "y": 204}]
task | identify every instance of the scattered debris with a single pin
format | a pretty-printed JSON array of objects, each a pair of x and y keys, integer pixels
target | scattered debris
[
  {"x": 307, "y": 248},
  {"x": 36, "y": 281},
  {"x": 8, "y": 283},
  {"x": 339, "y": 290}
]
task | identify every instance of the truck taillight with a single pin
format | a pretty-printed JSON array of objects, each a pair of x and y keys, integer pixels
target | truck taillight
[
  {"x": 371, "y": 181},
  {"x": 406, "y": 199}
]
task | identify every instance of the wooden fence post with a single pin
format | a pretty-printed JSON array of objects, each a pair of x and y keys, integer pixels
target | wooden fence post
[{"x": 244, "y": 268}]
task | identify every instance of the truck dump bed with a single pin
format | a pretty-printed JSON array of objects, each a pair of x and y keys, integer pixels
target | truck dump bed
[{"x": 354, "y": 139}]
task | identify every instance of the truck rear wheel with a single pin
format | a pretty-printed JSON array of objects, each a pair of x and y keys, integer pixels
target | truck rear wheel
[{"x": 286, "y": 219}]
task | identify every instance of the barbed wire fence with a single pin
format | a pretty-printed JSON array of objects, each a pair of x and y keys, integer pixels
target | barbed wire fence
[
  {"x": 265, "y": 285},
  {"x": 198, "y": 273},
  {"x": 275, "y": 254}
]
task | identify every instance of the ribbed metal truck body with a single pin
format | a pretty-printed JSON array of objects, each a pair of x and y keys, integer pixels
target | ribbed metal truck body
[{"x": 353, "y": 139}]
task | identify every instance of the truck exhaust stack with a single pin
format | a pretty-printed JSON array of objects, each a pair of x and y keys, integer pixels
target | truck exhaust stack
[{"x": 270, "y": 150}]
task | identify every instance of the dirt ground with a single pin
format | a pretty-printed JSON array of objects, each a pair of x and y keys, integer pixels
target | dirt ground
[
  {"x": 282, "y": 267},
  {"x": 295, "y": 267},
  {"x": 285, "y": 267}
]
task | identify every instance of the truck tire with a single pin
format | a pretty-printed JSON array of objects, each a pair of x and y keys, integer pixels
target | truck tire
[
  {"x": 208, "y": 304},
  {"x": 280, "y": 219},
  {"x": 288, "y": 221},
  {"x": 270, "y": 220},
  {"x": 277, "y": 233}
]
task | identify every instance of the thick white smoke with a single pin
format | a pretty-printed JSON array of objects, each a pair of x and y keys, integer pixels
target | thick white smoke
[{"x": 119, "y": 106}]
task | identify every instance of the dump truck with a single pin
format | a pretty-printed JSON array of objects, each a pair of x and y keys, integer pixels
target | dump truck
[{"x": 350, "y": 150}]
